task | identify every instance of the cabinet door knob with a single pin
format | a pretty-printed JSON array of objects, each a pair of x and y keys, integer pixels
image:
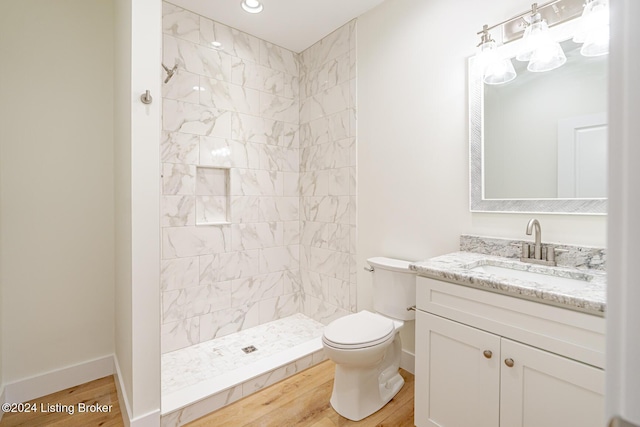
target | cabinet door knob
[
  {"x": 509, "y": 362},
  {"x": 487, "y": 354}
]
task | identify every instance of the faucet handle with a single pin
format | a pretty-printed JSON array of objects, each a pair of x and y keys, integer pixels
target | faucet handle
[
  {"x": 552, "y": 251},
  {"x": 551, "y": 254},
  {"x": 525, "y": 250}
]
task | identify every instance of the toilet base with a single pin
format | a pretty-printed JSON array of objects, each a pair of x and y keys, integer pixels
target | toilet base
[
  {"x": 359, "y": 392},
  {"x": 365, "y": 401}
]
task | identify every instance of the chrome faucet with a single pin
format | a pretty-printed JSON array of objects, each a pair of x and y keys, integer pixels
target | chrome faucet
[
  {"x": 540, "y": 255},
  {"x": 537, "y": 252}
]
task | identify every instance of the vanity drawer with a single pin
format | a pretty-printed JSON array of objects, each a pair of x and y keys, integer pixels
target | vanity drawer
[{"x": 572, "y": 334}]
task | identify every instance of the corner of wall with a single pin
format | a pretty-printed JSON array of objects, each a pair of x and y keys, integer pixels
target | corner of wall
[
  {"x": 123, "y": 401},
  {"x": 151, "y": 419},
  {"x": 408, "y": 361},
  {"x": 328, "y": 176}
]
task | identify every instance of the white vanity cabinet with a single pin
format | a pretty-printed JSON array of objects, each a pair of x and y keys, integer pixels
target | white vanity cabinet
[
  {"x": 488, "y": 360},
  {"x": 544, "y": 389}
]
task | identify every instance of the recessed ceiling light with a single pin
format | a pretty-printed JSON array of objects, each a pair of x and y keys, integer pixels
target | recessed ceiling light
[
  {"x": 217, "y": 45},
  {"x": 252, "y": 6}
]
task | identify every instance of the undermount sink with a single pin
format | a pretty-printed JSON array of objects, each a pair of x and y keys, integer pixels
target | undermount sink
[{"x": 533, "y": 276}]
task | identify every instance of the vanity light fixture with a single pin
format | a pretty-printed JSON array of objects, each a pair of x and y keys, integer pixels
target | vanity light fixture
[
  {"x": 495, "y": 70},
  {"x": 538, "y": 46},
  {"x": 593, "y": 28},
  {"x": 542, "y": 52},
  {"x": 252, "y": 6}
]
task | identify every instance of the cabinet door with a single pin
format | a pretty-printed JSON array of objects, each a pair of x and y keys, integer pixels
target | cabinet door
[
  {"x": 544, "y": 389},
  {"x": 457, "y": 385}
]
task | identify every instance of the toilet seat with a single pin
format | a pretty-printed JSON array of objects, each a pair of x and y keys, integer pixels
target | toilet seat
[{"x": 359, "y": 330}]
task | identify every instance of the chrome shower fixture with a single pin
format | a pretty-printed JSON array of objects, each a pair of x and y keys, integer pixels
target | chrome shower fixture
[{"x": 170, "y": 72}]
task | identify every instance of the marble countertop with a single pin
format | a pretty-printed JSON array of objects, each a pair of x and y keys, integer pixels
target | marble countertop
[{"x": 456, "y": 267}]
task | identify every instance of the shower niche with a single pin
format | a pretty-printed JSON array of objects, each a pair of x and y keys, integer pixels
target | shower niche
[{"x": 212, "y": 195}]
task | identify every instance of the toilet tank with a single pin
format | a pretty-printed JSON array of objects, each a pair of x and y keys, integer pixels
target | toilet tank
[{"x": 394, "y": 287}]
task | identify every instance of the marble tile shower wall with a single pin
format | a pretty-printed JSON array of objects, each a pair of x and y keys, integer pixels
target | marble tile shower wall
[
  {"x": 328, "y": 175},
  {"x": 235, "y": 108}
]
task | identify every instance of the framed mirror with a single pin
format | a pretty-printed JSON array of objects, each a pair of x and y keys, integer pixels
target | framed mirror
[{"x": 539, "y": 142}]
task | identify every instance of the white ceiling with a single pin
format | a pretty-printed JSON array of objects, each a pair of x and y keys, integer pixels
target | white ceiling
[{"x": 292, "y": 24}]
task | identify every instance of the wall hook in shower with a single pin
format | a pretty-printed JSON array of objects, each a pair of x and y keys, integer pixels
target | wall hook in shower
[
  {"x": 146, "y": 97},
  {"x": 170, "y": 72}
]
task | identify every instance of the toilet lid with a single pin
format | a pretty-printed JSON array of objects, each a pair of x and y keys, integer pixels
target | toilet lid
[{"x": 361, "y": 329}]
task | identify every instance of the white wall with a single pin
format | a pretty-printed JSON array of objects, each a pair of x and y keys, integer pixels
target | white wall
[
  {"x": 623, "y": 296},
  {"x": 146, "y": 51},
  {"x": 413, "y": 137},
  {"x": 56, "y": 196},
  {"x": 122, "y": 199},
  {"x": 137, "y": 212}
]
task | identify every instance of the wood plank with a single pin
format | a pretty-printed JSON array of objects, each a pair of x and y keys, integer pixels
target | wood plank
[
  {"x": 261, "y": 403},
  {"x": 101, "y": 391},
  {"x": 299, "y": 401},
  {"x": 404, "y": 397},
  {"x": 305, "y": 410},
  {"x": 303, "y": 401},
  {"x": 325, "y": 422},
  {"x": 403, "y": 417}
]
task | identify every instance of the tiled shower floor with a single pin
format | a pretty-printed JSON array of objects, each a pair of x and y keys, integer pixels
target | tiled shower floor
[{"x": 193, "y": 373}]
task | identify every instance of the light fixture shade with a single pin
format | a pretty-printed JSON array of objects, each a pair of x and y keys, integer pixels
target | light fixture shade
[
  {"x": 593, "y": 29},
  {"x": 594, "y": 16},
  {"x": 535, "y": 35},
  {"x": 486, "y": 54},
  {"x": 596, "y": 43},
  {"x": 495, "y": 70},
  {"x": 539, "y": 48},
  {"x": 527, "y": 50},
  {"x": 499, "y": 72},
  {"x": 547, "y": 57}
]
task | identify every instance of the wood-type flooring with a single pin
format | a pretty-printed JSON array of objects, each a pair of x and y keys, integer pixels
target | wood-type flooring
[{"x": 299, "y": 401}]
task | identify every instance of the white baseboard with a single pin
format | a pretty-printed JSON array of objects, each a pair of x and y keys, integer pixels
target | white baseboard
[
  {"x": 122, "y": 394},
  {"x": 408, "y": 361},
  {"x": 54, "y": 381},
  {"x": 152, "y": 419},
  {"x": 60, "y": 379}
]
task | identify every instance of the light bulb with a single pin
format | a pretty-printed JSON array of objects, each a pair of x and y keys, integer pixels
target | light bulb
[{"x": 527, "y": 49}]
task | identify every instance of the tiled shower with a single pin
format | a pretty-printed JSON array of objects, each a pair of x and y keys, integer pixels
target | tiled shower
[{"x": 258, "y": 181}]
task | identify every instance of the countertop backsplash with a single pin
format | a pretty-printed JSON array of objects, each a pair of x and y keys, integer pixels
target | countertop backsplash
[{"x": 581, "y": 257}]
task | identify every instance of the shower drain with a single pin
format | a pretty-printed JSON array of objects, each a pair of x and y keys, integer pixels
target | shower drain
[{"x": 249, "y": 349}]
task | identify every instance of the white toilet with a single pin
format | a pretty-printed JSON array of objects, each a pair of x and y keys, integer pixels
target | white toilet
[{"x": 366, "y": 346}]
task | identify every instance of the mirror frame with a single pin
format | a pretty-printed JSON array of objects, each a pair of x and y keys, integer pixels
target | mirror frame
[{"x": 477, "y": 202}]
